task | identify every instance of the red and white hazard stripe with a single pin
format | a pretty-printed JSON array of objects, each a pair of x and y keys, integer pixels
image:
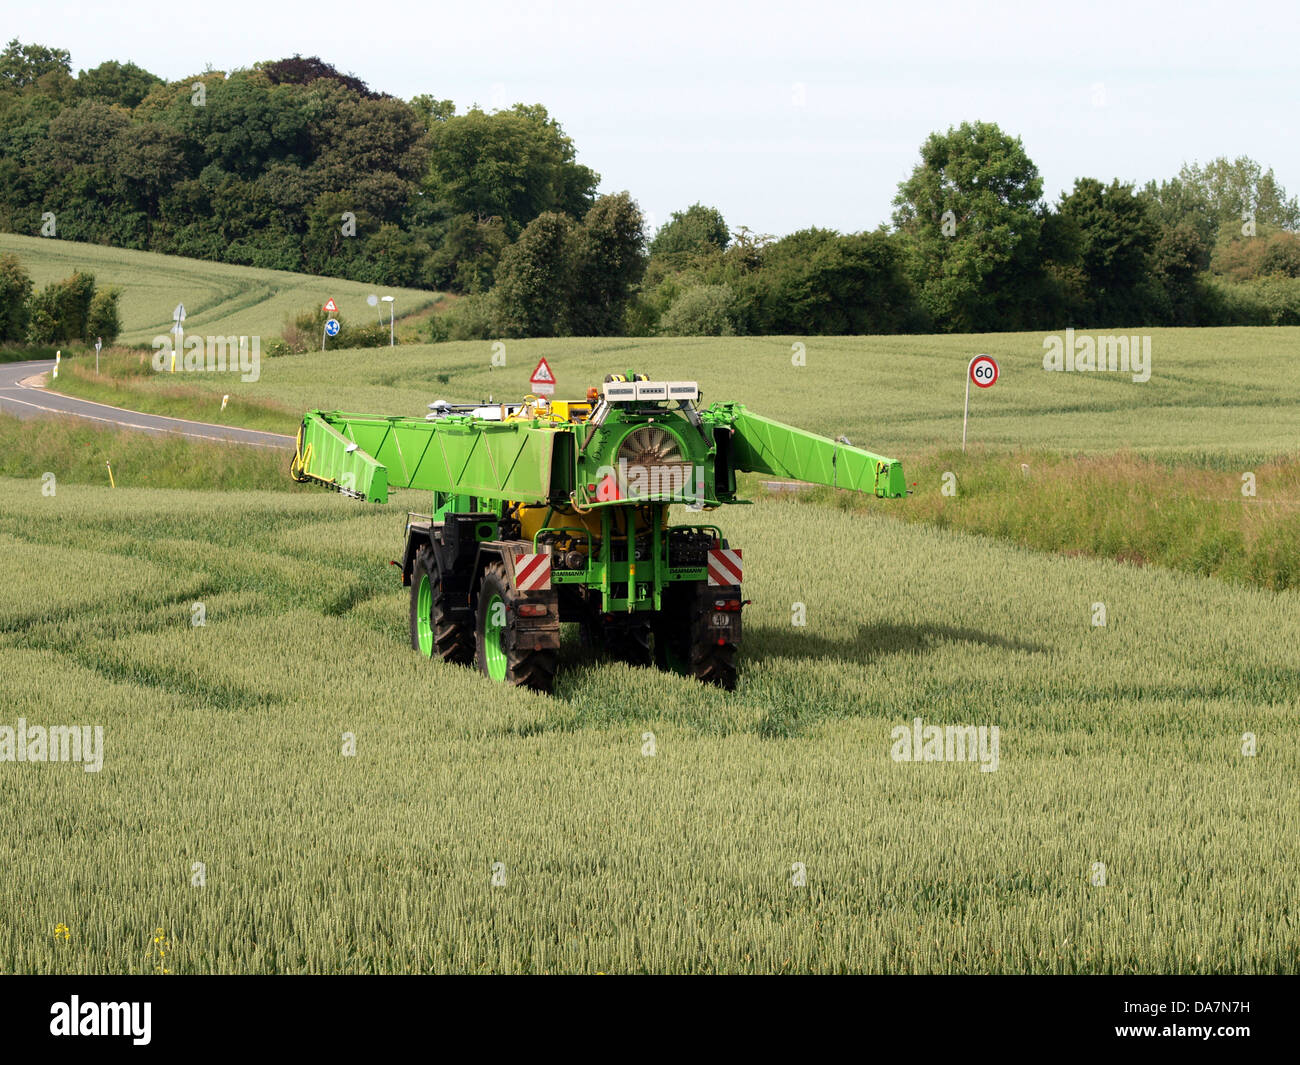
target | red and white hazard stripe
[
  {"x": 724, "y": 567},
  {"x": 533, "y": 573}
]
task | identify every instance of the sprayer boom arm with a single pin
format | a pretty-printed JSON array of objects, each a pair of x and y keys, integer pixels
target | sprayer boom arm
[
  {"x": 536, "y": 460},
  {"x": 362, "y": 455},
  {"x": 763, "y": 445}
]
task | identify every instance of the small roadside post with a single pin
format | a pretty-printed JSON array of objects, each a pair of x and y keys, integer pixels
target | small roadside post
[{"x": 178, "y": 317}]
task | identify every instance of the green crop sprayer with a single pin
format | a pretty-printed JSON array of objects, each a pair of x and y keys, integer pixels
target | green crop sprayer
[{"x": 558, "y": 511}]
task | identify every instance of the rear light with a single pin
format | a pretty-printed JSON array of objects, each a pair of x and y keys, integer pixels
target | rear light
[
  {"x": 731, "y": 606},
  {"x": 532, "y": 610}
]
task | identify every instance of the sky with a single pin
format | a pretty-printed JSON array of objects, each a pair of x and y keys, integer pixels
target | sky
[{"x": 781, "y": 115}]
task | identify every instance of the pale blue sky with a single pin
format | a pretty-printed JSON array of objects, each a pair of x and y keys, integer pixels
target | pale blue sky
[{"x": 782, "y": 115}]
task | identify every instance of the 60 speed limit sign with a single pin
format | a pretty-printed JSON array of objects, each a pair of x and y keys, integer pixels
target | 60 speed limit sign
[{"x": 983, "y": 370}]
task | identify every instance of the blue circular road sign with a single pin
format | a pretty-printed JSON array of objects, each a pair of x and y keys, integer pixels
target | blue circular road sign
[{"x": 332, "y": 327}]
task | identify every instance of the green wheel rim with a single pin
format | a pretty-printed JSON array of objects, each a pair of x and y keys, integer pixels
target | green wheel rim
[
  {"x": 494, "y": 638},
  {"x": 424, "y": 615}
]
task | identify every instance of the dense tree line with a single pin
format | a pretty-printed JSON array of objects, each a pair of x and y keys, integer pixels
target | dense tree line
[
  {"x": 290, "y": 165},
  {"x": 974, "y": 248},
  {"x": 295, "y": 165}
]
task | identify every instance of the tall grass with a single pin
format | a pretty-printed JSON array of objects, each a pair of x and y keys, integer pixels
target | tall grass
[{"x": 1181, "y": 516}]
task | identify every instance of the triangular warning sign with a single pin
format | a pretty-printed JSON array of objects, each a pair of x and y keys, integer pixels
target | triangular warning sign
[
  {"x": 542, "y": 375},
  {"x": 331, "y": 307}
]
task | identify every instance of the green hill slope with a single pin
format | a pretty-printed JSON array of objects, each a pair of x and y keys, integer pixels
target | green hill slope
[{"x": 219, "y": 298}]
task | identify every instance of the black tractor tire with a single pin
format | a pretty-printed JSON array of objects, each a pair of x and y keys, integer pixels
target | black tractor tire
[
  {"x": 686, "y": 644},
  {"x": 530, "y": 654},
  {"x": 451, "y": 641}
]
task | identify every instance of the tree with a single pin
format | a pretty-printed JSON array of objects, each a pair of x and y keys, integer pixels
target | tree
[
  {"x": 969, "y": 216},
  {"x": 124, "y": 84},
  {"x": 511, "y": 165},
  {"x": 607, "y": 259},
  {"x": 694, "y": 231},
  {"x": 102, "y": 321},
  {"x": 82, "y": 135},
  {"x": 1272, "y": 253},
  {"x": 375, "y": 148},
  {"x": 23, "y": 65},
  {"x": 1178, "y": 258},
  {"x": 325, "y": 246},
  {"x": 819, "y": 282},
  {"x": 1233, "y": 190},
  {"x": 394, "y": 256},
  {"x": 1116, "y": 236},
  {"x": 147, "y": 161},
  {"x": 15, "y": 291},
  {"x": 432, "y": 110},
  {"x": 467, "y": 259},
  {"x": 246, "y": 124},
  {"x": 299, "y": 71},
  {"x": 1176, "y": 201},
  {"x": 61, "y": 311},
  {"x": 533, "y": 279},
  {"x": 700, "y": 311}
]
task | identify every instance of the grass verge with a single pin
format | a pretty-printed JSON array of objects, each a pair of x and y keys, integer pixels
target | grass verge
[
  {"x": 125, "y": 380},
  {"x": 78, "y": 452}
]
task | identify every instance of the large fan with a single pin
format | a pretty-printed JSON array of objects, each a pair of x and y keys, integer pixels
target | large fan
[{"x": 650, "y": 446}]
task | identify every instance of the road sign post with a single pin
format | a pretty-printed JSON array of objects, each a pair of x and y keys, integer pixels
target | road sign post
[
  {"x": 983, "y": 370},
  {"x": 99, "y": 343},
  {"x": 542, "y": 381},
  {"x": 331, "y": 308}
]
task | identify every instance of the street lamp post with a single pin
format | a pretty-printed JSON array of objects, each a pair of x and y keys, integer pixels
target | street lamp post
[{"x": 391, "y": 303}]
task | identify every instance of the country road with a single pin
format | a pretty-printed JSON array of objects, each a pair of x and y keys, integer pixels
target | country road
[{"x": 22, "y": 394}]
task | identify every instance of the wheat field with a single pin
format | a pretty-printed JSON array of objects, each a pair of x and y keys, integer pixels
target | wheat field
[{"x": 484, "y": 830}]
